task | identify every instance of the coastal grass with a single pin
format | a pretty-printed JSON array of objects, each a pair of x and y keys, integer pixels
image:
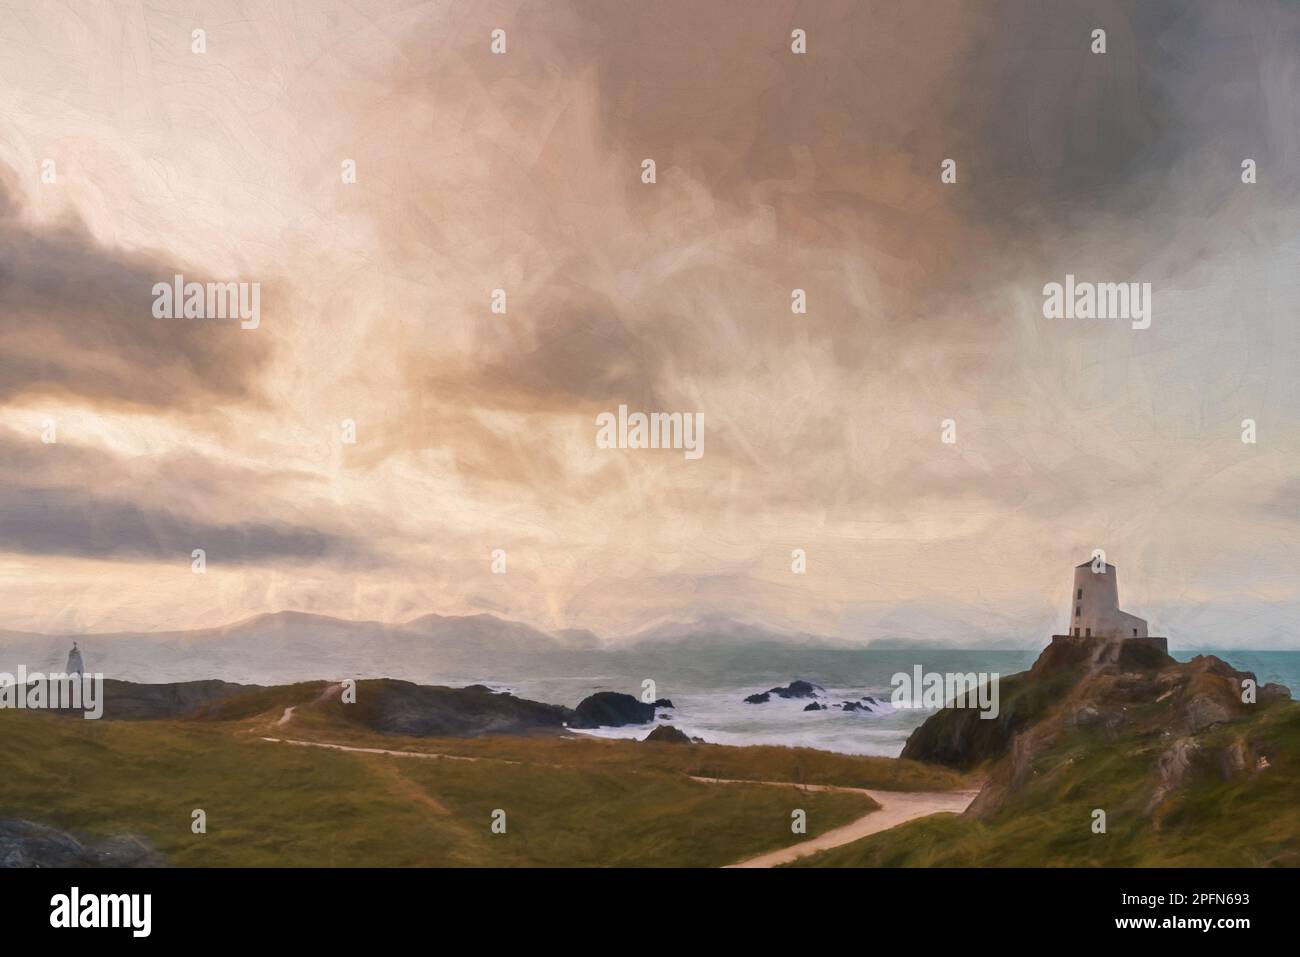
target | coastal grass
[
  {"x": 1212, "y": 818},
  {"x": 277, "y": 804}
]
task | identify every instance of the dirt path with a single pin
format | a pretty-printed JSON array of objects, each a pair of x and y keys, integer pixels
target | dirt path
[
  {"x": 896, "y": 807},
  {"x": 288, "y": 712},
  {"x": 397, "y": 754}
]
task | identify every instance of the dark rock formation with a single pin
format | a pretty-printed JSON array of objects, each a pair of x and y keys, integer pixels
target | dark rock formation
[
  {"x": 666, "y": 734},
  {"x": 25, "y": 844},
  {"x": 611, "y": 709},
  {"x": 128, "y": 701},
  {"x": 383, "y": 704},
  {"x": 813, "y": 707},
  {"x": 400, "y": 707},
  {"x": 795, "y": 689},
  {"x": 663, "y": 703}
]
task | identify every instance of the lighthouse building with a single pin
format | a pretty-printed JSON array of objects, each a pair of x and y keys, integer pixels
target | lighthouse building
[{"x": 1095, "y": 610}]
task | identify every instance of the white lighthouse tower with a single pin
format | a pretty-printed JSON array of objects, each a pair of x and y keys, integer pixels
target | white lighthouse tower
[{"x": 1095, "y": 609}]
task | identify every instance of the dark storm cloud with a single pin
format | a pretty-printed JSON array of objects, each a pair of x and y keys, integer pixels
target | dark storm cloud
[
  {"x": 1046, "y": 133},
  {"x": 46, "y": 521},
  {"x": 76, "y": 320},
  {"x": 62, "y": 499},
  {"x": 1055, "y": 134}
]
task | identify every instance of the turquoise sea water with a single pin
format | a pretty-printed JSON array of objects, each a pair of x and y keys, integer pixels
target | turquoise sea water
[{"x": 708, "y": 691}]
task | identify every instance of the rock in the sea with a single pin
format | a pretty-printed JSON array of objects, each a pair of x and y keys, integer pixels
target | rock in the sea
[
  {"x": 666, "y": 734},
  {"x": 795, "y": 689},
  {"x": 664, "y": 703},
  {"x": 813, "y": 707},
  {"x": 25, "y": 844},
  {"x": 611, "y": 709}
]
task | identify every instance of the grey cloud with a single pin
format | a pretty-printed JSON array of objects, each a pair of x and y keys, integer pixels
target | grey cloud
[
  {"x": 66, "y": 499},
  {"x": 48, "y": 521},
  {"x": 76, "y": 320}
]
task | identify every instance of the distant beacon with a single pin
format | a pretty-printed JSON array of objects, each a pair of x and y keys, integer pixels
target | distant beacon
[
  {"x": 74, "y": 661},
  {"x": 1095, "y": 610}
]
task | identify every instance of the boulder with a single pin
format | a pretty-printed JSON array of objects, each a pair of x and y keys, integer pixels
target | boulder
[
  {"x": 611, "y": 709},
  {"x": 666, "y": 734},
  {"x": 26, "y": 844},
  {"x": 795, "y": 689}
]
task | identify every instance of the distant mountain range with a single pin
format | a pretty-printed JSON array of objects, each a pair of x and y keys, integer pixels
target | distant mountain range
[{"x": 291, "y": 646}]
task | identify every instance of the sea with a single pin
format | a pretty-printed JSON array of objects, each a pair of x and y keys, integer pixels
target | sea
[{"x": 709, "y": 702}]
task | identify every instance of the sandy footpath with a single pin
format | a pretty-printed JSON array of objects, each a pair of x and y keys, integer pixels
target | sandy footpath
[{"x": 896, "y": 807}]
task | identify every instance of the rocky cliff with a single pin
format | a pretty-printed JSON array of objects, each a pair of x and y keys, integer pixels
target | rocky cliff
[{"x": 1091, "y": 692}]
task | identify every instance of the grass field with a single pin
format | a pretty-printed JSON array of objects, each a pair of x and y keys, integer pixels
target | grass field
[{"x": 571, "y": 803}]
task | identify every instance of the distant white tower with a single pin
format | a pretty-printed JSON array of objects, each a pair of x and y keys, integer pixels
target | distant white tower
[
  {"x": 74, "y": 661},
  {"x": 1095, "y": 609}
]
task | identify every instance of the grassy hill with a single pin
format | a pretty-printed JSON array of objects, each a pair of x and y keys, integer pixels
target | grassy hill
[
  {"x": 1186, "y": 773},
  {"x": 569, "y": 802}
]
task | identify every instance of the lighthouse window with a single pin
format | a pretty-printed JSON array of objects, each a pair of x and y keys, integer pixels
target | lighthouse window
[
  {"x": 1080, "y": 595},
  {"x": 1087, "y": 632},
  {"x": 1076, "y": 611}
]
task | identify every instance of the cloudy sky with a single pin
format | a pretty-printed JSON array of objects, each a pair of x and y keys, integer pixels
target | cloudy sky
[{"x": 476, "y": 430}]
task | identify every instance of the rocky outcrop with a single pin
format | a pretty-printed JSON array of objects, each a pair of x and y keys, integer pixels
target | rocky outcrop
[
  {"x": 25, "y": 844},
  {"x": 666, "y": 734},
  {"x": 960, "y": 738},
  {"x": 385, "y": 705},
  {"x": 400, "y": 707},
  {"x": 611, "y": 709},
  {"x": 795, "y": 689},
  {"x": 129, "y": 701},
  {"x": 1116, "y": 689}
]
